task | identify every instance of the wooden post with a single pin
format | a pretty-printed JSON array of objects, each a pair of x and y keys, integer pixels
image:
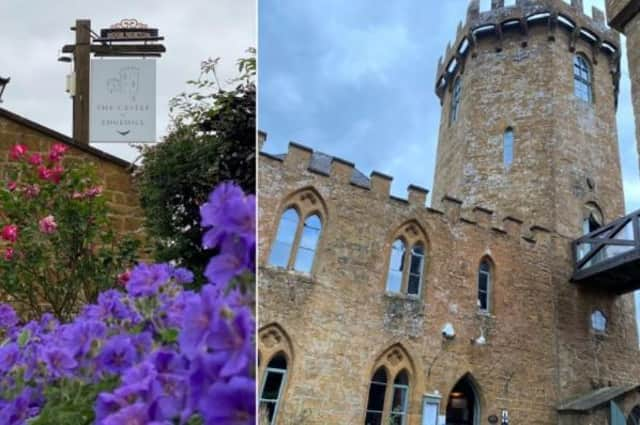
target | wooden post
[{"x": 82, "y": 63}]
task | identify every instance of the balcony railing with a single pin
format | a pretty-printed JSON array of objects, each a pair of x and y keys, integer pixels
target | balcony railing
[{"x": 609, "y": 258}]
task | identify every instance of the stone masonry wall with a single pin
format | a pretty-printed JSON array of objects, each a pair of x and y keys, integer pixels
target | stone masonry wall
[{"x": 540, "y": 348}]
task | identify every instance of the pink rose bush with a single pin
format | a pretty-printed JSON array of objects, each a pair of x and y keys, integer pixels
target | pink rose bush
[{"x": 45, "y": 227}]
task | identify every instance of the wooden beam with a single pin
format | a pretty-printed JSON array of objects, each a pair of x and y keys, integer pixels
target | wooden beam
[{"x": 82, "y": 61}]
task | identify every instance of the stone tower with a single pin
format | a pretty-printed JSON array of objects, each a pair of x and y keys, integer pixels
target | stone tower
[
  {"x": 516, "y": 133},
  {"x": 624, "y": 15}
]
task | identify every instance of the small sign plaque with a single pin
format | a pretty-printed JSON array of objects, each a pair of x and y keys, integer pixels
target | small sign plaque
[{"x": 123, "y": 101}]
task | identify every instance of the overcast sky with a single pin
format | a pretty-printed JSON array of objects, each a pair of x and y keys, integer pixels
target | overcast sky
[
  {"x": 355, "y": 80},
  {"x": 33, "y": 32}
]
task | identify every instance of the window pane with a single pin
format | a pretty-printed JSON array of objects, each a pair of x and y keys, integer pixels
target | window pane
[
  {"x": 415, "y": 270},
  {"x": 270, "y": 408},
  {"x": 396, "y": 267},
  {"x": 508, "y": 148},
  {"x": 399, "y": 405},
  {"x": 484, "y": 285},
  {"x": 582, "y": 78},
  {"x": 376, "y": 397},
  {"x": 272, "y": 383},
  {"x": 483, "y": 280},
  {"x": 281, "y": 249},
  {"x": 308, "y": 243},
  {"x": 373, "y": 418}
]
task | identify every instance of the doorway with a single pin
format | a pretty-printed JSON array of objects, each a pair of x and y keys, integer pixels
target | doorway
[{"x": 463, "y": 404}]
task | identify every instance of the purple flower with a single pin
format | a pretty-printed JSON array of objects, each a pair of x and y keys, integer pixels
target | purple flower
[
  {"x": 8, "y": 356},
  {"x": 215, "y": 211},
  {"x": 231, "y": 262},
  {"x": 231, "y": 403},
  {"x": 59, "y": 362},
  {"x": 233, "y": 339},
  {"x": 242, "y": 220},
  {"x": 8, "y": 316},
  {"x": 146, "y": 279},
  {"x": 135, "y": 414},
  {"x": 199, "y": 315},
  {"x": 182, "y": 275},
  {"x": 117, "y": 355}
]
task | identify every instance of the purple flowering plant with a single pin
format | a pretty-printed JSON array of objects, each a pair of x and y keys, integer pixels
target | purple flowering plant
[{"x": 155, "y": 353}]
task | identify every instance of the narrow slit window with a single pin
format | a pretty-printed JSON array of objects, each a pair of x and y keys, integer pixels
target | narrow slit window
[
  {"x": 582, "y": 79},
  {"x": 415, "y": 269},
  {"x": 484, "y": 286},
  {"x": 308, "y": 243},
  {"x": 377, "y": 391},
  {"x": 400, "y": 399},
  {"x": 455, "y": 100},
  {"x": 598, "y": 321},
  {"x": 272, "y": 386},
  {"x": 396, "y": 267},
  {"x": 281, "y": 249},
  {"x": 508, "y": 148}
]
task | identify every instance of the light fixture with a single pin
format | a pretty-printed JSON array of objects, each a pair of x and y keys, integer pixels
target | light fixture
[{"x": 3, "y": 85}]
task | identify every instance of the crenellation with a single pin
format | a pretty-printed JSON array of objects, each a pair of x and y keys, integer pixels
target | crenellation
[
  {"x": 473, "y": 11},
  {"x": 380, "y": 183},
  {"x": 483, "y": 216},
  {"x": 298, "y": 155},
  {"x": 342, "y": 170},
  {"x": 598, "y": 16},
  {"x": 497, "y": 4},
  {"x": 417, "y": 195},
  {"x": 512, "y": 225},
  {"x": 578, "y": 5},
  {"x": 452, "y": 208}
]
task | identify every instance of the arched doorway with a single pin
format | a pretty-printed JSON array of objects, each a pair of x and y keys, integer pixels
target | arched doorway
[{"x": 463, "y": 405}]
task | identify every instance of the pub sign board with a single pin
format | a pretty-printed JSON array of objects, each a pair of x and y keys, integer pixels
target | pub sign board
[{"x": 123, "y": 101}]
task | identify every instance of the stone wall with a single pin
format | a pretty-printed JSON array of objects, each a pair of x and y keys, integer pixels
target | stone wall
[
  {"x": 340, "y": 320},
  {"x": 114, "y": 174}
]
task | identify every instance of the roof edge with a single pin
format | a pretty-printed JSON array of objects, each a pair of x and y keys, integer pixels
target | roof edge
[{"x": 64, "y": 138}]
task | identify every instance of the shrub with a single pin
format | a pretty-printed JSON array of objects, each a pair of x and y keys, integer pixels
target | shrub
[
  {"x": 157, "y": 353},
  {"x": 212, "y": 139},
  {"x": 58, "y": 248}
]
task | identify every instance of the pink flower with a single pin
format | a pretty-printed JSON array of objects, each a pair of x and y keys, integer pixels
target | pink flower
[
  {"x": 48, "y": 225},
  {"x": 8, "y": 253},
  {"x": 17, "y": 152},
  {"x": 93, "y": 192},
  {"x": 9, "y": 233},
  {"x": 44, "y": 173},
  {"x": 57, "y": 151},
  {"x": 123, "y": 278},
  {"x": 77, "y": 195},
  {"x": 12, "y": 186},
  {"x": 32, "y": 190},
  {"x": 56, "y": 173},
  {"x": 35, "y": 159}
]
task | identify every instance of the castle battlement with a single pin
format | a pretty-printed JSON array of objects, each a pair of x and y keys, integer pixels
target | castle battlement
[
  {"x": 454, "y": 211},
  {"x": 502, "y": 21}
]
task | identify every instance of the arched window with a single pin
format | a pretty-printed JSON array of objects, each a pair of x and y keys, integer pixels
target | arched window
[
  {"x": 389, "y": 391},
  {"x": 285, "y": 237},
  {"x": 507, "y": 147},
  {"x": 407, "y": 261},
  {"x": 598, "y": 321},
  {"x": 400, "y": 401},
  {"x": 396, "y": 267},
  {"x": 455, "y": 100},
  {"x": 272, "y": 385},
  {"x": 582, "y": 79},
  {"x": 299, "y": 232},
  {"x": 415, "y": 270},
  {"x": 484, "y": 286},
  {"x": 308, "y": 243},
  {"x": 377, "y": 392}
]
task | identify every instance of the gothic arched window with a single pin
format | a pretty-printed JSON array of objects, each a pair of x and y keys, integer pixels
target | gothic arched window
[
  {"x": 582, "y": 78},
  {"x": 455, "y": 100},
  {"x": 389, "y": 390},
  {"x": 272, "y": 385},
  {"x": 299, "y": 232},
  {"x": 484, "y": 286},
  {"x": 507, "y": 147},
  {"x": 285, "y": 237},
  {"x": 407, "y": 262}
]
